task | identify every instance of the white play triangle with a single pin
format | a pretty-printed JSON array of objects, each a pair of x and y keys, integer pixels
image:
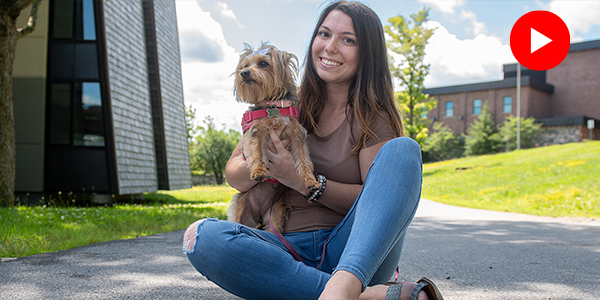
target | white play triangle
[{"x": 538, "y": 40}]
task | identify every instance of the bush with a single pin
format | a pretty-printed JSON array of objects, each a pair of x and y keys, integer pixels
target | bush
[
  {"x": 529, "y": 131},
  {"x": 443, "y": 144},
  {"x": 482, "y": 135}
]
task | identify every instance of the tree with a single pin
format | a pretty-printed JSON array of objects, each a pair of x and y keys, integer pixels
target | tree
[
  {"x": 9, "y": 33},
  {"x": 443, "y": 144},
  {"x": 482, "y": 135},
  {"x": 190, "y": 118},
  {"x": 409, "y": 43},
  {"x": 529, "y": 131},
  {"x": 212, "y": 149}
]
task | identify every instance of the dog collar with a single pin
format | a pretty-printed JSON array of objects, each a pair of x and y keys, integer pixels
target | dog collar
[
  {"x": 275, "y": 103},
  {"x": 250, "y": 116}
]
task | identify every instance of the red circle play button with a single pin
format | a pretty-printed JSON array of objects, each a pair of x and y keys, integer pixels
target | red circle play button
[{"x": 540, "y": 40}]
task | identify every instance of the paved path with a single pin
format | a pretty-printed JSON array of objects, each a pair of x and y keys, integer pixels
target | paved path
[{"x": 471, "y": 254}]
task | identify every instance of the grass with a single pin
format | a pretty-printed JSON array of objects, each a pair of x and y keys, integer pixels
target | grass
[
  {"x": 560, "y": 180},
  {"x": 28, "y": 230}
]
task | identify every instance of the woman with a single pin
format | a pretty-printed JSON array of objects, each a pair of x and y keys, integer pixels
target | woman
[{"x": 351, "y": 237}]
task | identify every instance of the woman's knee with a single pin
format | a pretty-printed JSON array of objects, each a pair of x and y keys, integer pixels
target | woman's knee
[
  {"x": 190, "y": 236},
  {"x": 405, "y": 144}
]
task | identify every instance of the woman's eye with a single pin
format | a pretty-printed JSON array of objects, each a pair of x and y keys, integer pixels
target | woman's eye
[
  {"x": 323, "y": 34},
  {"x": 263, "y": 64},
  {"x": 349, "y": 40}
]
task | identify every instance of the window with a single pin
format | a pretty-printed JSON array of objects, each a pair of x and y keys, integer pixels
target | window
[
  {"x": 88, "y": 127},
  {"x": 449, "y": 109},
  {"x": 507, "y": 105},
  {"x": 477, "y": 106}
]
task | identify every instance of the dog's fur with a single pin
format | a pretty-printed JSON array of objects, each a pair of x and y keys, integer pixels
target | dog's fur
[{"x": 266, "y": 76}]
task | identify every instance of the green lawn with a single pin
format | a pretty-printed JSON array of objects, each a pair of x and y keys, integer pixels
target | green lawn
[
  {"x": 37, "y": 229},
  {"x": 560, "y": 180}
]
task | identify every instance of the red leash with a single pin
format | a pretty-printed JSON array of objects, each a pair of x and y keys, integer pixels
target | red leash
[{"x": 282, "y": 239}]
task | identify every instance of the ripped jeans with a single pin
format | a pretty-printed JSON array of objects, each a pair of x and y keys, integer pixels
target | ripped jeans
[{"x": 254, "y": 264}]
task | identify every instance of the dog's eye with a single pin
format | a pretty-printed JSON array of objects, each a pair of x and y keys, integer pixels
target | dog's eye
[{"x": 263, "y": 64}]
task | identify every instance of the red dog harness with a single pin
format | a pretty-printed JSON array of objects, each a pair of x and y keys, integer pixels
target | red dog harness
[{"x": 284, "y": 109}]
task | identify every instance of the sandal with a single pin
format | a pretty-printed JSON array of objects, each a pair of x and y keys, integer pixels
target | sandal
[{"x": 424, "y": 284}]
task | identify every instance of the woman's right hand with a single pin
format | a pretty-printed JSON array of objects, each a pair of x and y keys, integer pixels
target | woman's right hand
[{"x": 237, "y": 171}]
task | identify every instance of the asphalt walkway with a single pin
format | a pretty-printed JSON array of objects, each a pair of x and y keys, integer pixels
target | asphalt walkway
[{"x": 470, "y": 254}]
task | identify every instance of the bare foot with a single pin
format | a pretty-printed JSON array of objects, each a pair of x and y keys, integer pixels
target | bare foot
[{"x": 342, "y": 285}]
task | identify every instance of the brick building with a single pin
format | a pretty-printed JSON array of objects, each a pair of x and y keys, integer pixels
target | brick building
[
  {"x": 563, "y": 98},
  {"x": 98, "y": 99}
]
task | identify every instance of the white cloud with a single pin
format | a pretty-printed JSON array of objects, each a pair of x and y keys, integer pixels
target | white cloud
[
  {"x": 478, "y": 27},
  {"x": 207, "y": 84},
  {"x": 454, "y": 61},
  {"x": 226, "y": 12},
  {"x": 579, "y": 16},
  {"x": 445, "y": 6}
]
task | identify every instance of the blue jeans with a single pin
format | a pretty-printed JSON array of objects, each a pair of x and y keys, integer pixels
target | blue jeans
[{"x": 254, "y": 264}]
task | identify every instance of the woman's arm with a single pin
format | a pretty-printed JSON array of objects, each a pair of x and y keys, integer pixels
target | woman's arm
[
  {"x": 337, "y": 196},
  {"x": 236, "y": 171},
  {"x": 340, "y": 197}
]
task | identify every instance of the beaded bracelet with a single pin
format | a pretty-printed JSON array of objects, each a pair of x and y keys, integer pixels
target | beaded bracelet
[{"x": 316, "y": 193}]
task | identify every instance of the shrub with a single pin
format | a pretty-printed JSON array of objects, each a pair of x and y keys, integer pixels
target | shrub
[
  {"x": 482, "y": 135},
  {"x": 529, "y": 131},
  {"x": 443, "y": 144}
]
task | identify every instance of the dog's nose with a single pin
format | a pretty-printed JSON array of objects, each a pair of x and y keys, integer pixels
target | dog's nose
[{"x": 245, "y": 74}]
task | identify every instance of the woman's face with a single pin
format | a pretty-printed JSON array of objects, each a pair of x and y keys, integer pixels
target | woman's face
[{"x": 335, "y": 49}]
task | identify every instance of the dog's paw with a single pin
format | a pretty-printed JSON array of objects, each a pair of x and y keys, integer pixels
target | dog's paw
[
  {"x": 258, "y": 176},
  {"x": 314, "y": 186}
]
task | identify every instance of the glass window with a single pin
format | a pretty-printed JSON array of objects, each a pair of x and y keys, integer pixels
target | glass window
[
  {"x": 86, "y": 61},
  {"x": 61, "y": 60},
  {"x": 88, "y": 129},
  {"x": 477, "y": 106},
  {"x": 60, "y": 113},
  {"x": 89, "y": 26},
  {"x": 63, "y": 19},
  {"x": 449, "y": 109},
  {"x": 507, "y": 105}
]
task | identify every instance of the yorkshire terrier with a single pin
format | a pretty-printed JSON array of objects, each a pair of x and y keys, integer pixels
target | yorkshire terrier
[{"x": 265, "y": 79}]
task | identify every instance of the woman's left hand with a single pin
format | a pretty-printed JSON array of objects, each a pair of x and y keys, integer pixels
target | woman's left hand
[{"x": 280, "y": 165}]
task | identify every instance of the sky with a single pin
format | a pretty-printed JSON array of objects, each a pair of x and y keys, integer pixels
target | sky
[{"x": 470, "y": 43}]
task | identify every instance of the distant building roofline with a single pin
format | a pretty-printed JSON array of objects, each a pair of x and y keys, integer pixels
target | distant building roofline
[
  {"x": 566, "y": 121},
  {"x": 492, "y": 85}
]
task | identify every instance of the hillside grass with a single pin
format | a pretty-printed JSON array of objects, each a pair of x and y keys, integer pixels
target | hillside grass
[
  {"x": 28, "y": 230},
  {"x": 556, "y": 181}
]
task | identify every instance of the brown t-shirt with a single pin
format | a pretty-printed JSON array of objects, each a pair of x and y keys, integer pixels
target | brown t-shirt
[{"x": 332, "y": 156}]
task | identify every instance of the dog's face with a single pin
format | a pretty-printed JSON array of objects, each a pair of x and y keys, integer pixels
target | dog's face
[{"x": 265, "y": 74}]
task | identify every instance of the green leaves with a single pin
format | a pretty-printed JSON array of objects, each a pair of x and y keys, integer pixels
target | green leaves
[
  {"x": 407, "y": 40},
  {"x": 212, "y": 148}
]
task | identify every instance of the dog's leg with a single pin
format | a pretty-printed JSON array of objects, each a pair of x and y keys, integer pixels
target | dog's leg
[
  {"x": 301, "y": 153},
  {"x": 279, "y": 212},
  {"x": 253, "y": 149}
]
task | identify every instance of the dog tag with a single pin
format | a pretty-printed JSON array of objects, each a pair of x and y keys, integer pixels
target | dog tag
[{"x": 272, "y": 112}]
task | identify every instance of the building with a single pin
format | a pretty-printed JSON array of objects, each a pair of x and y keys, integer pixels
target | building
[
  {"x": 98, "y": 99},
  {"x": 563, "y": 98}
]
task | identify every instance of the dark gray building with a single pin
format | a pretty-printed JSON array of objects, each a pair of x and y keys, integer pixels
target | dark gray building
[{"x": 99, "y": 101}]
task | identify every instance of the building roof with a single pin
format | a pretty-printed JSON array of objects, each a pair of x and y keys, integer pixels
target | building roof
[
  {"x": 490, "y": 85},
  {"x": 532, "y": 78},
  {"x": 588, "y": 45},
  {"x": 566, "y": 121}
]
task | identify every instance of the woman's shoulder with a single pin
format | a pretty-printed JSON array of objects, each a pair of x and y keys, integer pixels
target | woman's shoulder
[{"x": 381, "y": 128}]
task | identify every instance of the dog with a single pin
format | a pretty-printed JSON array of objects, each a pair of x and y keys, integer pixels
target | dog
[{"x": 265, "y": 79}]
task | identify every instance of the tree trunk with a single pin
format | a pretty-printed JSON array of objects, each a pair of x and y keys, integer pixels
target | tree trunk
[{"x": 8, "y": 45}]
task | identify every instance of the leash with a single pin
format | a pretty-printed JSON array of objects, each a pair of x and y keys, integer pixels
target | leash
[{"x": 282, "y": 239}]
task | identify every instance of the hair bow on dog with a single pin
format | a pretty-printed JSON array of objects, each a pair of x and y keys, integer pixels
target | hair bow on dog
[{"x": 262, "y": 52}]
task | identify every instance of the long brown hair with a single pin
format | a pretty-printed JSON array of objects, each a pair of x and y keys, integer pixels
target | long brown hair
[{"x": 371, "y": 90}]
